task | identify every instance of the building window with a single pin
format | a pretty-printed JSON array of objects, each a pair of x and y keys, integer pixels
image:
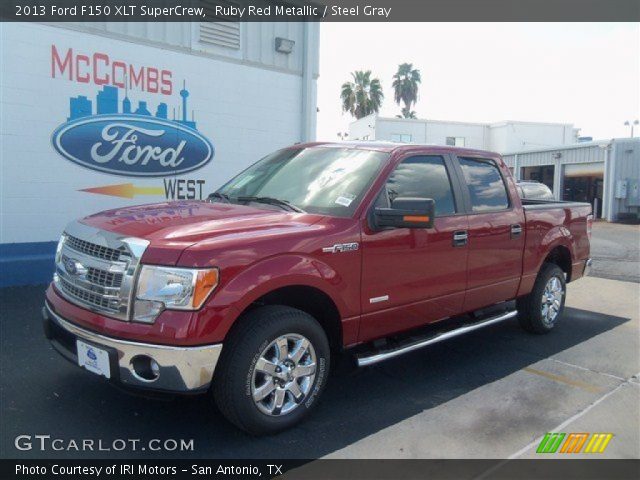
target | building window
[
  {"x": 455, "y": 141},
  {"x": 401, "y": 137}
]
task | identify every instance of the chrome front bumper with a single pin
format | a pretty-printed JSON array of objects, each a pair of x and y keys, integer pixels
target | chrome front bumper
[{"x": 181, "y": 369}]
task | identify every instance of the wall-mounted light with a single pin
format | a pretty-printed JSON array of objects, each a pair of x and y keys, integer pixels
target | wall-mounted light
[
  {"x": 556, "y": 155},
  {"x": 284, "y": 45}
]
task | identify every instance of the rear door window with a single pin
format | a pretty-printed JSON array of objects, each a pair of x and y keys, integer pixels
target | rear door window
[{"x": 487, "y": 189}]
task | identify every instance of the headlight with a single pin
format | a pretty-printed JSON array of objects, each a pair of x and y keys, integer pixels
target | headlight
[{"x": 171, "y": 288}]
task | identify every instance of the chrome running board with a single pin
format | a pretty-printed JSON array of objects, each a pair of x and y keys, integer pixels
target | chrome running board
[{"x": 366, "y": 359}]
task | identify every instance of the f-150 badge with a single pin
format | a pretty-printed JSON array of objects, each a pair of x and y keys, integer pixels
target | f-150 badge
[{"x": 341, "y": 247}]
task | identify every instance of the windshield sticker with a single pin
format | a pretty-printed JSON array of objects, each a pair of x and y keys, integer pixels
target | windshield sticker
[{"x": 345, "y": 199}]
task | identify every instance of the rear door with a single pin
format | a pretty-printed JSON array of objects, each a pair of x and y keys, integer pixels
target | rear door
[
  {"x": 412, "y": 276},
  {"x": 495, "y": 235}
]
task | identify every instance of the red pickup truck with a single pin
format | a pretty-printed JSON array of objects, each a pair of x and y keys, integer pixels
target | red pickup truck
[{"x": 316, "y": 248}]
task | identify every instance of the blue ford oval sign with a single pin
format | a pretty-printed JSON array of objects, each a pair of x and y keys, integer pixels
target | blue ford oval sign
[{"x": 132, "y": 145}]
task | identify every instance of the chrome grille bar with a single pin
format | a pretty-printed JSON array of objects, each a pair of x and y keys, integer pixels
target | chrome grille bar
[
  {"x": 92, "y": 249},
  {"x": 107, "y": 302},
  {"x": 104, "y": 278}
]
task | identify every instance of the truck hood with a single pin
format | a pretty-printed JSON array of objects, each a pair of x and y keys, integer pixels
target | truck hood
[{"x": 171, "y": 227}]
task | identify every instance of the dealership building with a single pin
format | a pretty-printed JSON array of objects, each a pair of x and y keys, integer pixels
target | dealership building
[
  {"x": 499, "y": 137},
  {"x": 604, "y": 173},
  {"x": 97, "y": 116}
]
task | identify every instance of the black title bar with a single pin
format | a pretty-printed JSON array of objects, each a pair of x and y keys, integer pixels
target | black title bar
[{"x": 320, "y": 10}]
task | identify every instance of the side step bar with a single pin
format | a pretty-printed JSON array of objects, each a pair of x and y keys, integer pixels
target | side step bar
[{"x": 369, "y": 359}]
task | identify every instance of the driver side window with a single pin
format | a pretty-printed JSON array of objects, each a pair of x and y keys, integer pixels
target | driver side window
[{"x": 423, "y": 176}]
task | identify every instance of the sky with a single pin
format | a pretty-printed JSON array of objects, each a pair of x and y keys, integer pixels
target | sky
[{"x": 587, "y": 74}]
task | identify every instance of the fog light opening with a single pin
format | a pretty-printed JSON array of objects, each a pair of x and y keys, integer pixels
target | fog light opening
[{"x": 145, "y": 368}]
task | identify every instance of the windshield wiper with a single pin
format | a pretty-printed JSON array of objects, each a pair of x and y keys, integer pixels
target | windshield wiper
[
  {"x": 222, "y": 196},
  {"x": 272, "y": 201}
]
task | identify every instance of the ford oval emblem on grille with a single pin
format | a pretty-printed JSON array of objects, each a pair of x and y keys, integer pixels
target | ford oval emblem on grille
[{"x": 73, "y": 267}]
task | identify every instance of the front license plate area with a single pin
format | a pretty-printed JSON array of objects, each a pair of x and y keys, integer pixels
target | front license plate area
[{"x": 94, "y": 359}]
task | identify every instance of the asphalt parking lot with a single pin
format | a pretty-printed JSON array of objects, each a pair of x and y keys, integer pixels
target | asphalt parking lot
[
  {"x": 490, "y": 394},
  {"x": 615, "y": 249}
]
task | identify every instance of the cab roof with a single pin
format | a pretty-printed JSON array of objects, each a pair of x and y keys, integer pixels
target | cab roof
[{"x": 395, "y": 147}]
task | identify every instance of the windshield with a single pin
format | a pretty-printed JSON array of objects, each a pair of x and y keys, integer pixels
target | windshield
[{"x": 329, "y": 181}]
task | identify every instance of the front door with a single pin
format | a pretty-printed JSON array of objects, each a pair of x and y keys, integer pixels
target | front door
[{"x": 413, "y": 276}]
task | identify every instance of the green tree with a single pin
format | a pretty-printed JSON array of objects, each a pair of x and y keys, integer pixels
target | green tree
[
  {"x": 363, "y": 95},
  {"x": 405, "y": 88},
  {"x": 407, "y": 113}
]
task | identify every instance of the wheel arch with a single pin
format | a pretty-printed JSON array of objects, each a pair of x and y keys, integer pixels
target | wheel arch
[
  {"x": 296, "y": 281},
  {"x": 310, "y": 300},
  {"x": 560, "y": 255}
]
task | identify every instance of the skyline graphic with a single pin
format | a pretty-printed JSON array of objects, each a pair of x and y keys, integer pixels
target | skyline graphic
[{"x": 107, "y": 104}]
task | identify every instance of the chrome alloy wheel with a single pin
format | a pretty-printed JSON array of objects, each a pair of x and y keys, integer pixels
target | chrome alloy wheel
[
  {"x": 283, "y": 375},
  {"x": 551, "y": 300}
]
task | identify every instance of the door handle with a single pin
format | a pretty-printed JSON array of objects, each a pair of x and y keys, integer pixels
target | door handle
[
  {"x": 516, "y": 230},
  {"x": 460, "y": 238}
]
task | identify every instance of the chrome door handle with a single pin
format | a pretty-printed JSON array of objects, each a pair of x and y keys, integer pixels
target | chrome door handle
[
  {"x": 460, "y": 238},
  {"x": 516, "y": 230}
]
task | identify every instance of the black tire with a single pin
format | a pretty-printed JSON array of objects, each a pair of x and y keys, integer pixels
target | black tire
[
  {"x": 234, "y": 376},
  {"x": 530, "y": 313}
]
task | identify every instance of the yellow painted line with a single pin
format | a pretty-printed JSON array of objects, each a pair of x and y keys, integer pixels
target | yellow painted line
[{"x": 566, "y": 380}]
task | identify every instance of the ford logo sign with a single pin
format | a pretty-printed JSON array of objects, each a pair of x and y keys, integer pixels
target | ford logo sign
[
  {"x": 132, "y": 145},
  {"x": 91, "y": 354}
]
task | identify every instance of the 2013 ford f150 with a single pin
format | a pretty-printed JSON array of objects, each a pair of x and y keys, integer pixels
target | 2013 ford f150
[{"x": 316, "y": 248}]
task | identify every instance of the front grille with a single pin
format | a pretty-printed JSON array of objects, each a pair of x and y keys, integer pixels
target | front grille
[
  {"x": 95, "y": 269},
  {"x": 85, "y": 296},
  {"x": 93, "y": 249},
  {"x": 104, "y": 278}
]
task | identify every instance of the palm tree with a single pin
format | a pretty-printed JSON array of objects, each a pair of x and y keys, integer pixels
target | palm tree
[
  {"x": 405, "y": 88},
  {"x": 407, "y": 113},
  {"x": 362, "y": 96}
]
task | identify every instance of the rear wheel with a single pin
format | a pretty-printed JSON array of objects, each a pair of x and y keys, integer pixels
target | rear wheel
[
  {"x": 272, "y": 370},
  {"x": 540, "y": 311}
]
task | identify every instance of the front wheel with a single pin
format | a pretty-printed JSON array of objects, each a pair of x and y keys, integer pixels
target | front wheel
[
  {"x": 540, "y": 311},
  {"x": 272, "y": 370}
]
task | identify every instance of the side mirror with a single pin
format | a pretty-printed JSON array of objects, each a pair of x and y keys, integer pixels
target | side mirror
[{"x": 406, "y": 213}]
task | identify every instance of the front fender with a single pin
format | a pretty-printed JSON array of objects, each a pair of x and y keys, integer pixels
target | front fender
[{"x": 235, "y": 295}]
